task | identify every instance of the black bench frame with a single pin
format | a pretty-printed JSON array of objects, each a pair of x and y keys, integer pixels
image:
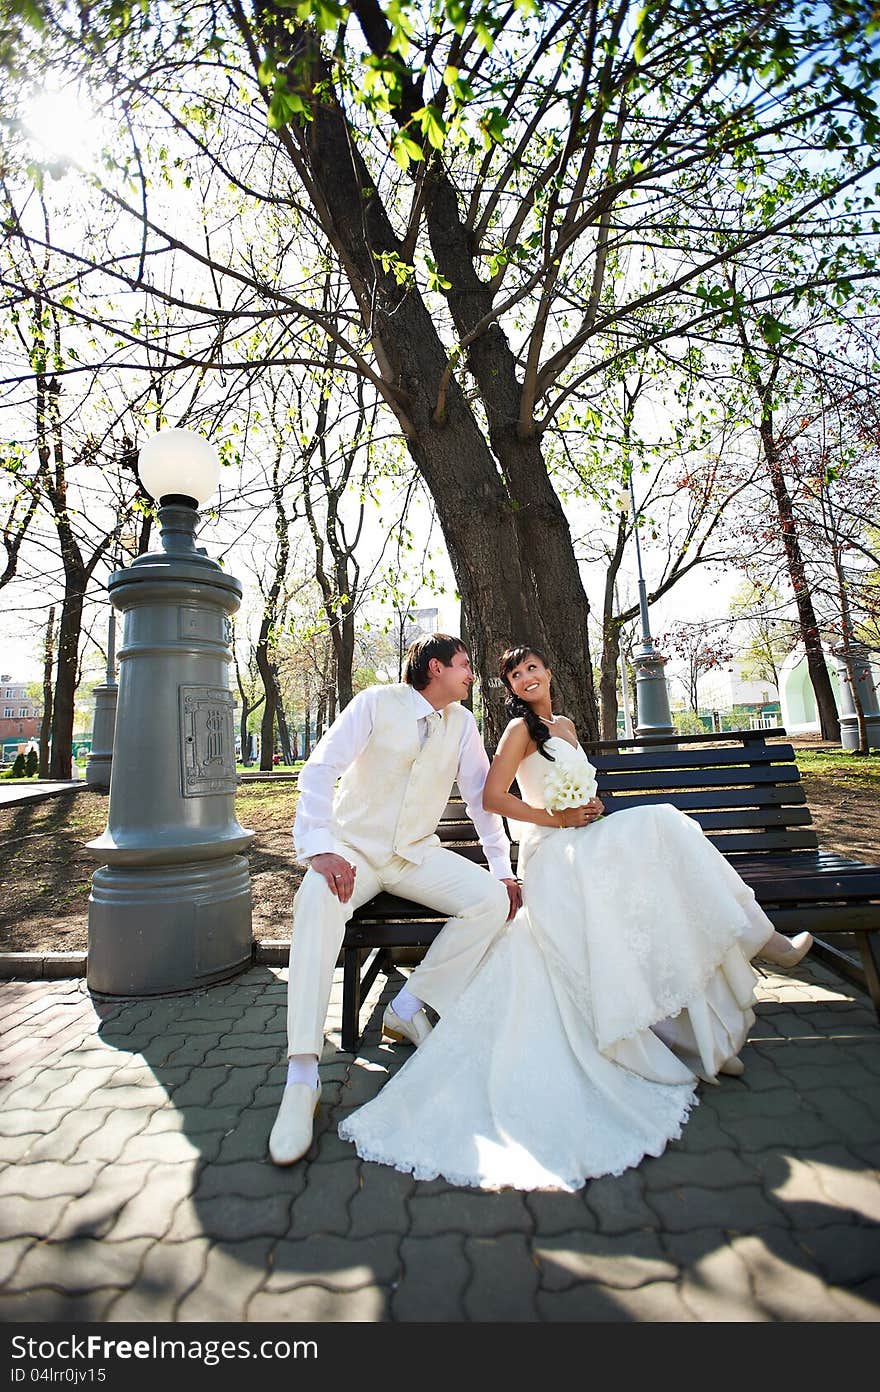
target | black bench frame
[{"x": 745, "y": 793}]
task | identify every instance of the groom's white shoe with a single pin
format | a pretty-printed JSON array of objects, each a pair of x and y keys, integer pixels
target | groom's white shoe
[
  {"x": 733, "y": 1067},
  {"x": 414, "y": 1031},
  {"x": 291, "y": 1135}
]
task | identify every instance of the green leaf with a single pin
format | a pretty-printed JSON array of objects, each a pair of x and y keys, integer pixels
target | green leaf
[
  {"x": 432, "y": 124},
  {"x": 456, "y": 13},
  {"x": 772, "y": 329},
  {"x": 405, "y": 149},
  {"x": 327, "y": 14},
  {"x": 493, "y": 125},
  {"x": 484, "y": 35},
  {"x": 646, "y": 23}
]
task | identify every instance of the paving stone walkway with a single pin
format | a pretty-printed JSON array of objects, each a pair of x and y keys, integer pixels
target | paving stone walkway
[{"x": 134, "y": 1183}]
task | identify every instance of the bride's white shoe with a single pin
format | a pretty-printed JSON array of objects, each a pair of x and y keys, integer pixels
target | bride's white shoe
[{"x": 798, "y": 948}]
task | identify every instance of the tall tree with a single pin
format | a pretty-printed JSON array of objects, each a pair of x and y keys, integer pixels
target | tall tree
[{"x": 502, "y": 184}]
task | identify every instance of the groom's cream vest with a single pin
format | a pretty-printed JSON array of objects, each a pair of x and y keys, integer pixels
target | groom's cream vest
[{"x": 389, "y": 801}]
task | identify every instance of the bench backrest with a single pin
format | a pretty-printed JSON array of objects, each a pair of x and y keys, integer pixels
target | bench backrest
[{"x": 746, "y": 794}]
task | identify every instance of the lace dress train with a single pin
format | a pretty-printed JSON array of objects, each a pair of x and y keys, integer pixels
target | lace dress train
[{"x": 575, "y": 1049}]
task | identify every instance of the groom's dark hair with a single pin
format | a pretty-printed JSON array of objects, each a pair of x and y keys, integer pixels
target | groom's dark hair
[{"x": 418, "y": 655}]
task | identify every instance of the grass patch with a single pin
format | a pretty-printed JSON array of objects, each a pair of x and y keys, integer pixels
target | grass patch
[
  {"x": 276, "y": 768},
  {"x": 265, "y": 802},
  {"x": 851, "y": 770}
]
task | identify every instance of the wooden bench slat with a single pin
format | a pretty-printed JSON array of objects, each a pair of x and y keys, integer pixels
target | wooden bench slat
[
  {"x": 455, "y": 831},
  {"x": 708, "y": 778},
  {"x": 409, "y": 933},
  {"x": 740, "y": 817},
  {"x": 711, "y": 799},
  {"x": 693, "y": 758},
  {"x": 385, "y": 904},
  {"x": 817, "y": 864},
  {"x": 764, "y": 841},
  {"x": 752, "y": 738}
]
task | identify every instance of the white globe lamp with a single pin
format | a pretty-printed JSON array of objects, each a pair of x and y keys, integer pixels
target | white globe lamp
[{"x": 177, "y": 466}]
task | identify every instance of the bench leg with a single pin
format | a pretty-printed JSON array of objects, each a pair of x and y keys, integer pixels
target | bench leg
[
  {"x": 381, "y": 962},
  {"x": 355, "y": 986},
  {"x": 869, "y": 947},
  {"x": 351, "y": 999}
]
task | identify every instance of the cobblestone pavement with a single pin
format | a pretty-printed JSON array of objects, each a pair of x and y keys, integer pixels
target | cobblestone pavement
[{"x": 134, "y": 1183}]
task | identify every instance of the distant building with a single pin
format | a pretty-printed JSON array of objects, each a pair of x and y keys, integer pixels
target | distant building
[
  {"x": 21, "y": 715},
  {"x": 730, "y": 701},
  {"x": 419, "y": 625}
]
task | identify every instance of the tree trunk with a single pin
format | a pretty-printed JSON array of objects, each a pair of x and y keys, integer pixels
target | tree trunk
[
  {"x": 608, "y": 670},
  {"x": 61, "y": 757},
  {"x": 320, "y": 716},
  {"x": 307, "y": 732},
  {"x": 46, "y": 725},
  {"x": 466, "y": 639},
  {"x": 281, "y": 717},
  {"x": 332, "y": 692},
  {"x": 267, "y": 676},
  {"x": 343, "y": 657},
  {"x": 610, "y": 660},
  {"x": 506, "y": 534},
  {"x": 826, "y": 706},
  {"x": 267, "y": 733}
]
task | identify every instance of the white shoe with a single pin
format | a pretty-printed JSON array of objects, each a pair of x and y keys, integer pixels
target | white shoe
[
  {"x": 291, "y": 1135},
  {"x": 733, "y": 1067},
  {"x": 414, "y": 1031},
  {"x": 798, "y": 947}
]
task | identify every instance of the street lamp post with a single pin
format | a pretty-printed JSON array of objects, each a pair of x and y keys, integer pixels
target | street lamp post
[
  {"x": 170, "y": 907},
  {"x": 653, "y": 716},
  {"x": 104, "y": 722}
]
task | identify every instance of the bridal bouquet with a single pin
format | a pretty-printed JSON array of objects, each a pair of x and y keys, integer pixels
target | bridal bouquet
[{"x": 568, "y": 787}]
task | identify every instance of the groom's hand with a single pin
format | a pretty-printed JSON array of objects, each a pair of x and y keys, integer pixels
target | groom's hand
[
  {"x": 338, "y": 873},
  {"x": 514, "y": 894}
]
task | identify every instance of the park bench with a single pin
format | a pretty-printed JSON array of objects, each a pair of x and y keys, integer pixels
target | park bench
[{"x": 746, "y": 794}]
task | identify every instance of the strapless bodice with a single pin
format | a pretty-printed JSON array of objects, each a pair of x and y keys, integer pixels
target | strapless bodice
[{"x": 534, "y": 771}]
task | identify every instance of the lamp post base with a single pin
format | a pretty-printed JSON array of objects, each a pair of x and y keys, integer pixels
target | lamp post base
[
  {"x": 857, "y": 659},
  {"x": 169, "y": 928},
  {"x": 849, "y": 731}
]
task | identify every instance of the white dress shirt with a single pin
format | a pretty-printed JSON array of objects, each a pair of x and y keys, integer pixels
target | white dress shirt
[{"x": 340, "y": 745}]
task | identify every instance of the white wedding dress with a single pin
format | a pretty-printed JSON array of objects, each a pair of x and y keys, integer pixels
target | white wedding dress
[{"x": 575, "y": 1049}]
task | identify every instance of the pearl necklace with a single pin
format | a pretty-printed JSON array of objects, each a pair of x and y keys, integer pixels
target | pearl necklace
[{"x": 550, "y": 719}]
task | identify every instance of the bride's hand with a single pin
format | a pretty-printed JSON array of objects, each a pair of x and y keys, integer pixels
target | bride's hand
[{"x": 579, "y": 816}]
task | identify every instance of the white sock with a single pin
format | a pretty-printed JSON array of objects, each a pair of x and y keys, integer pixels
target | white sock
[
  {"x": 303, "y": 1068},
  {"x": 405, "y": 1004}
]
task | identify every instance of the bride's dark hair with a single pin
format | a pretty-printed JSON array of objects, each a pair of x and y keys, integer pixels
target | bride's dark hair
[{"x": 518, "y": 709}]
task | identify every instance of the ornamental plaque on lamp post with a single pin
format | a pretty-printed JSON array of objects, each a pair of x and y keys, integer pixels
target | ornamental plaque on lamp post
[{"x": 170, "y": 907}]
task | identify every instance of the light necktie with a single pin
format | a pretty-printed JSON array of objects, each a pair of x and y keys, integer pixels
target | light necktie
[{"x": 432, "y": 725}]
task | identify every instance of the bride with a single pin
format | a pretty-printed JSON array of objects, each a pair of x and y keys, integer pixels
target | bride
[{"x": 576, "y": 1048}]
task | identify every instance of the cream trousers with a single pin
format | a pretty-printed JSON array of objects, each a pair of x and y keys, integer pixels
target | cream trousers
[{"x": 477, "y": 905}]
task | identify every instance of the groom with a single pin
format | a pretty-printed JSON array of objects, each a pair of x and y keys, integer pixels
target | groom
[{"x": 398, "y": 750}]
